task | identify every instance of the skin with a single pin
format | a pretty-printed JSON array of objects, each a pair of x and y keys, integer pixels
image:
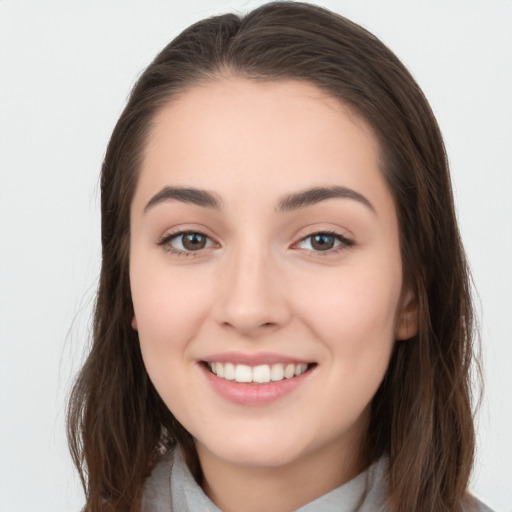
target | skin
[{"x": 260, "y": 286}]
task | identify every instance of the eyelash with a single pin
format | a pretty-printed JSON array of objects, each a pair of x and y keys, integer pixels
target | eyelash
[
  {"x": 344, "y": 243},
  {"x": 166, "y": 240}
]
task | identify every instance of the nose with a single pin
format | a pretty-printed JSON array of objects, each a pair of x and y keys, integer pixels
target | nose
[{"x": 253, "y": 299}]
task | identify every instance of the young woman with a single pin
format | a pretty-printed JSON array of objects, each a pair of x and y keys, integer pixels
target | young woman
[{"x": 283, "y": 320}]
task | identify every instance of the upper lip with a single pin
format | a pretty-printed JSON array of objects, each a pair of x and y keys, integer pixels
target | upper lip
[{"x": 253, "y": 359}]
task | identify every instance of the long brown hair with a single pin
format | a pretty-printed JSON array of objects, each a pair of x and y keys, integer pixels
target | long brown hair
[{"x": 421, "y": 416}]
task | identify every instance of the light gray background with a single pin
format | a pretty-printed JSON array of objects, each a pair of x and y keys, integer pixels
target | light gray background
[{"x": 65, "y": 70}]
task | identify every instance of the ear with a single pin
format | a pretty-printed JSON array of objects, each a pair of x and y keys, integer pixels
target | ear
[
  {"x": 134, "y": 323},
  {"x": 407, "y": 316}
]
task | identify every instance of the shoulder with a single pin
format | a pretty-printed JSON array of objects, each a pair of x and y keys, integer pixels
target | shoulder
[
  {"x": 157, "y": 488},
  {"x": 477, "y": 506},
  {"x": 377, "y": 491}
]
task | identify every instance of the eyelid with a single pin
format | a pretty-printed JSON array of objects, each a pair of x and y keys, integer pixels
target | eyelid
[
  {"x": 169, "y": 236},
  {"x": 344, "y": 242}
]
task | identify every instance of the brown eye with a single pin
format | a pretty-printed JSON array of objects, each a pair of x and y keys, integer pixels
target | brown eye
[
  {"x": 325, "y": 242},
  {"x": 322, "y": 242},
  {"x": 186, "y": 242},
  {"x": 193, "y": 241}
]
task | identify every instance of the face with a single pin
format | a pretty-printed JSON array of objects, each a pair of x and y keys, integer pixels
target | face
[{"x": 265, "y": 270}]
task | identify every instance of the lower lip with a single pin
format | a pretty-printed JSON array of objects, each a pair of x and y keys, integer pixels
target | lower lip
[{"x": 254, "y": 394}]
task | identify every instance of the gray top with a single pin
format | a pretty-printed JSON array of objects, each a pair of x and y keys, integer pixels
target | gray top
[{"x": 171, "y": 488}]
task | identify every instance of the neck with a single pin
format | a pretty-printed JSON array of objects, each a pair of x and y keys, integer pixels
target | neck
[{"x": 234, "y": 487}]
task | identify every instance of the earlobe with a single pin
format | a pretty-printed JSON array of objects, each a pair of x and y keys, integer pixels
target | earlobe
[
  {"x": 134, "y": 323},
  {"x": 407, "y": 320}
]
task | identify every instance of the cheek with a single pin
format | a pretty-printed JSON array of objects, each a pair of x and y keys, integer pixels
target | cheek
[
  {"x": 352, "y": 315},
  {"x": 170, "y": 310},
  {"x": 353, "y": 308},
  {"x": 169, "y": 307},
  {"x": 162, "y": 296},
  {"x": 354, "y": 321}
]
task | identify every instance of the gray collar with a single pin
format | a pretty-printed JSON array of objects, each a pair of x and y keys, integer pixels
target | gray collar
[{"x": 171, "y": 488}]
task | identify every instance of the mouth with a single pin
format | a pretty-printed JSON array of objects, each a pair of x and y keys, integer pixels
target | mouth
[{"x": 257, "y": 375}]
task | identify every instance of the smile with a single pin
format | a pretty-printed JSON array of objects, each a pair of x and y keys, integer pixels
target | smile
[
  {"x": 255, "y": 379},
  {"x": 261, "y": 374}
]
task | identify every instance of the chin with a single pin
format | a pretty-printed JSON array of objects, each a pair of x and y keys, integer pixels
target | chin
[{"x": 255, "y": 451}]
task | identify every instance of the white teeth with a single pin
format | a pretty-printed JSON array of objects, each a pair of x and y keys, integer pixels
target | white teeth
[
  {"x": 229, "y": 371},
  {"x": 300, "y": 368},
  {"x": 277, "y": 372},
  {"x": 260, "y": 374},
  {"x": 243, "y": 373},
  {"x": 289, "y": 371}
]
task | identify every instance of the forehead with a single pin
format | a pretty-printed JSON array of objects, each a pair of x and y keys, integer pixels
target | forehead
[
  {"x": 240, "y": 135},
  {"x": 264, "y": 108}
]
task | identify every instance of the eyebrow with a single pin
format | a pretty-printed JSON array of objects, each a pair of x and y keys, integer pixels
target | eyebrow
[
  {"x": 315, "y": 195},
  {"x": 184, "y": 195},
  {"x": 288, "y": 203}
]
